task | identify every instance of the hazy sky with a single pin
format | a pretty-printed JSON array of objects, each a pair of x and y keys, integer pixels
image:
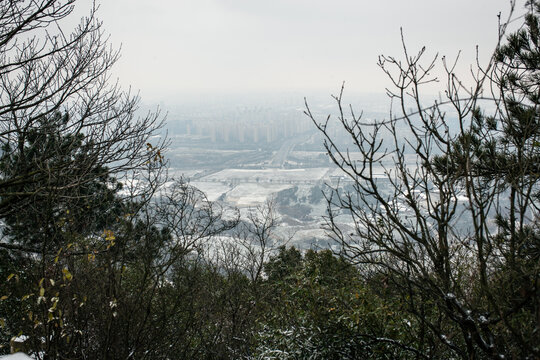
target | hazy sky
[{"x": 174, "y": 46}]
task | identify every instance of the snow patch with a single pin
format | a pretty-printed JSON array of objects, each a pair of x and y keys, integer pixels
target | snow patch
[{"x": 16, "y": 356}]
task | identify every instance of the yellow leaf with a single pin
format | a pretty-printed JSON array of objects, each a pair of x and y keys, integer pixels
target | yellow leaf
[
  {"x": 109, "y": 235},
  {"x": 41, "y": 291},
  {"x": 4, "y": 297},
  {"x": 67, "y": 274},
  {"x": 10, "y": 276},
  {"x": 2, "y": 322}
]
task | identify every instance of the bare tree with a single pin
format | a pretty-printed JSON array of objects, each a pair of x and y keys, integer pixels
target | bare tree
[
  {"x": 445, "y": 200},
  {"x": 63, "y": 124},
  {"x": 77, "y": 164}
]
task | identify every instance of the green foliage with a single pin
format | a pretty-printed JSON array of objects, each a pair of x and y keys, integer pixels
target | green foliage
[
  {"x": 55, "y": 216},
  {"x": 321, "y": 308},
  {"x": 500, "y": 153}
]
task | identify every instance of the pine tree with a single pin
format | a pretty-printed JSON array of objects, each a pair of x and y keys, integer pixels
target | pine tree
[{"x": 445, "y": 200}]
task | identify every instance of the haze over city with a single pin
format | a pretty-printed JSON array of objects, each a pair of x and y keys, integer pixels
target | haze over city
[
  {"x": 170, "y": 48},
  {"x": 231, "y": 77}
]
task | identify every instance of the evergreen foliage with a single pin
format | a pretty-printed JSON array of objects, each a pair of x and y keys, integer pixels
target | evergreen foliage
[{"x": 457, "y": 234}]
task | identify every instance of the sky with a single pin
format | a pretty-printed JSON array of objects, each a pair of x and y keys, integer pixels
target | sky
[{"x": 194, "y": 46}]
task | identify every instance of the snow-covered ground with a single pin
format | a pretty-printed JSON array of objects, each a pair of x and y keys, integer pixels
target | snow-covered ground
[
  {"x": 16, "y": 356},
  {"x": 213, "y": 190},
  {"x": 268, "y": 175},
  {"x": 253, "y": 194}
]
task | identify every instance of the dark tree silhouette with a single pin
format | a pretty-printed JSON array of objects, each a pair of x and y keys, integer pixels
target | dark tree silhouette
[
  {"x": 63, "y": 124},
  {"x": 445, "y": 200}
]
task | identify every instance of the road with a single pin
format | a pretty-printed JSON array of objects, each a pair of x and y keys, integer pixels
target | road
[{"x": 279, "y": 158}]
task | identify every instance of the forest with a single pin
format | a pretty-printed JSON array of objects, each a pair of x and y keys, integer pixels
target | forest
[{"x": 97, "y": 261}]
